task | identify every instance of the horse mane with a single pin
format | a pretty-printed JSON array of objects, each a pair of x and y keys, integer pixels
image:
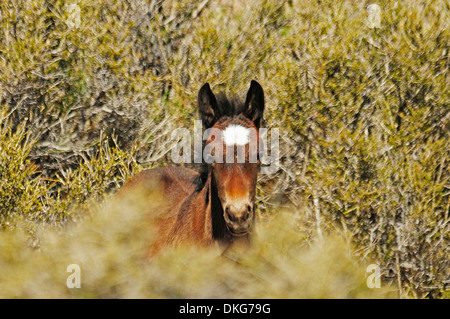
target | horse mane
[{"x": 229, "y": 106}]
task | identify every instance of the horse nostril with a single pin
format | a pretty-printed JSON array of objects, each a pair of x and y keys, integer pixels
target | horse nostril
[
  {"x": 228, "y": 213},
  {"x": 241, "y": 214}
]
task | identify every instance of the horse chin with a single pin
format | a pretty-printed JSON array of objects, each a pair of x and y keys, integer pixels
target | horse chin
[{"x": 239, "y": 233}]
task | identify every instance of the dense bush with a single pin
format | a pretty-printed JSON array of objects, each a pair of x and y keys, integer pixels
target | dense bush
[
  {"x": 363, "y": 113},
  {"x": 109, "y": 248}
]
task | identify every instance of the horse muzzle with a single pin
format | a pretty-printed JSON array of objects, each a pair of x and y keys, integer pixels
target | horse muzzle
[{"x": 239, "y": 218}]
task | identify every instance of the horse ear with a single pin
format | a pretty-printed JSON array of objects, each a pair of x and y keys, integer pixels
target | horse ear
[
  {"x": 254, "y": 103},
  {"x": 207, "y": 106}
]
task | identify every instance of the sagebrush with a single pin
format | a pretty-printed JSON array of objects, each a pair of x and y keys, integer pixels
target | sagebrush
[{"x": 363, "y": 113}]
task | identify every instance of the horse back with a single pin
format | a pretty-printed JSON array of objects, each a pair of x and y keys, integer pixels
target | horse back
[{"x": 161, "y": 189}]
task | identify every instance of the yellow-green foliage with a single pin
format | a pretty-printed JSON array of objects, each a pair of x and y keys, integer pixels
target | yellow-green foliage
[
  {"x": 20, "y": 191},
  {"x": 109, "y": 250},
  {"x": 363, "y": 113}
]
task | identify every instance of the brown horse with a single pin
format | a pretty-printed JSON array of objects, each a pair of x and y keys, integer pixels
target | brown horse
[{"x": 216, "y": 204}]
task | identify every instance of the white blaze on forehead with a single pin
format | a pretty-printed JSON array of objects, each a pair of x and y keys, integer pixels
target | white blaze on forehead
[{"x": 236, "y": 135}]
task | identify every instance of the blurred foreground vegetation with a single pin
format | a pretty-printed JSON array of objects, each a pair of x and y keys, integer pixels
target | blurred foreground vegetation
[{"x": 91, "y": 91}]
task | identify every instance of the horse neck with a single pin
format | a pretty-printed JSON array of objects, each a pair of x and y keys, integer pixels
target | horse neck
[{"x": 219, "y": 229}]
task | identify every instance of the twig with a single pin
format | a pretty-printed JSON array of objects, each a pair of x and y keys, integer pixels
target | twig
[
  {"x": 199, "y": 9},
  {"x": 305, "y": 163},
  {"x": 317, "y": 213}
]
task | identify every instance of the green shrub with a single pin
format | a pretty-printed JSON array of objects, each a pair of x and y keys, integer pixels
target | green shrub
[
  {"x": 21, "y": 191},
  {"x": 109, "y": 249},
  {"x": 363, "y": 113}
]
